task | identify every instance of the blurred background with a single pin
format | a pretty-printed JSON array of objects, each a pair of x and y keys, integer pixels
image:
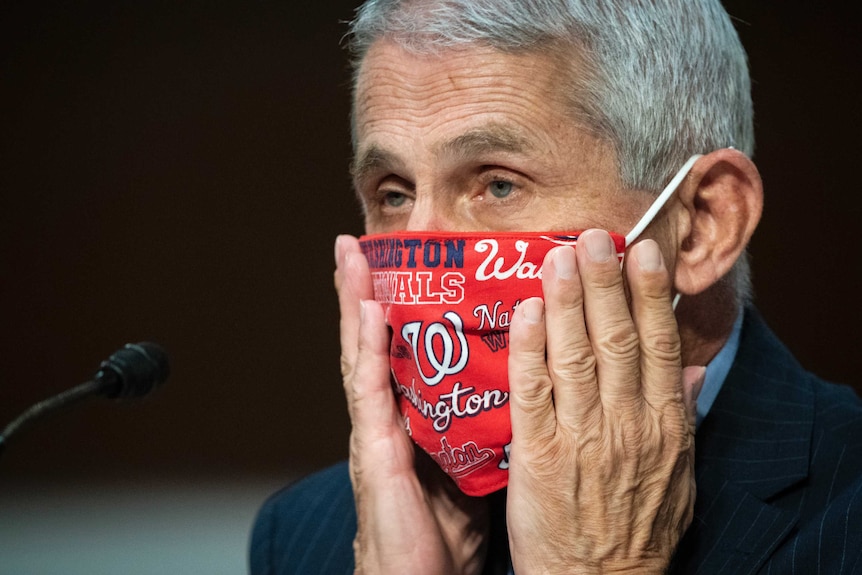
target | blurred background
[{"x": 177, "y": 172}]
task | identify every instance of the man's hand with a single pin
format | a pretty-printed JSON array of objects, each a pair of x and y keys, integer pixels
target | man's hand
[
  {"x": 411, "y": 516},
  {"x": 601, "y": 471}
]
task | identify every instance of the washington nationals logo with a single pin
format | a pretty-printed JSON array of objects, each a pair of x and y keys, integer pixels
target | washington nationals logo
[{"x": 439, "y": 347}]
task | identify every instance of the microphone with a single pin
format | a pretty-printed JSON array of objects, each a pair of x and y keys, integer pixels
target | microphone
[{"x": 132, "y": 371}]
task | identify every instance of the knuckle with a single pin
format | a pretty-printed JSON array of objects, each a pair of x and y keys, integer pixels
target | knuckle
[
  {"x": 346, "y": 367},
  {"x": 528, "y": 366},
  {"x": 594, "y": 447},
  {"x": 663, "y": 344},
  {"x": 574, "y": 364},
  {"x": 532, "y": 388},
  {"x": 620, "y": 341}
]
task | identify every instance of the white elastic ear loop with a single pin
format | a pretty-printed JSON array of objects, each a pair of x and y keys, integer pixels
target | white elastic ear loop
[
  {"x": 661, "y": 200},
  {"x": 658, "y": 204}
]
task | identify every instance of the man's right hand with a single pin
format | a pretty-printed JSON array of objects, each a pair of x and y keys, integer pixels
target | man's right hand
[{"x": 411, "y": 517}]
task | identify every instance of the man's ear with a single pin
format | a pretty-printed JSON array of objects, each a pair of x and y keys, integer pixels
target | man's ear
[{"x": 722, "y": 199}]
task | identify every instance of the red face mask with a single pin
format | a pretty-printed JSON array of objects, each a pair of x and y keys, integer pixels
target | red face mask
[{"x": 449, "y": 298}]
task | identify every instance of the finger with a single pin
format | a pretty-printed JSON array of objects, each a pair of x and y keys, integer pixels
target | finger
[
  {"x": 658, "y": 334},
  {"x": 531, "y": 404},
  {"x": 609, "y": 323},
  {"x": 342, "y": 243},
  {"x": 571, "y": 362},
  {"x": 353, "y": 282},
  {"x": 374, "y": 410},
  {"x": 380, "y": 449}
]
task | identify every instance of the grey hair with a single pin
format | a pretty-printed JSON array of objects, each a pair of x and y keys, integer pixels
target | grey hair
[{"x": 660, "y": 80}]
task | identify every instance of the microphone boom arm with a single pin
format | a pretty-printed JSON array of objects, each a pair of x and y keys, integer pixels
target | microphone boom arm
[
  {"x": 48, "y": 406},
  {"x": 132, "y": 371}
]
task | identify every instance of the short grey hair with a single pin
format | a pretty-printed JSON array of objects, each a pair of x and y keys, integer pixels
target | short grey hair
[{"x": 665, "y": 79}]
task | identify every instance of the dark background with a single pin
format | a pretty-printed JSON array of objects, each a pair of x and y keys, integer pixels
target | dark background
[{"x": 176, "y": 172}]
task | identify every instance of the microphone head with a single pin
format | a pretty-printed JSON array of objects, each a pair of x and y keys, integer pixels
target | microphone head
[{"x": 133, "y": 371}]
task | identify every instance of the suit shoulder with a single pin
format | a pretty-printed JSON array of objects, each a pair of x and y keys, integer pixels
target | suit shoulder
[{"x": 306, "y": 527}]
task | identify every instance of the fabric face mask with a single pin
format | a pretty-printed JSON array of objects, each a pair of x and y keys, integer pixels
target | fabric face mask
[{"x": 449, "y": 299}]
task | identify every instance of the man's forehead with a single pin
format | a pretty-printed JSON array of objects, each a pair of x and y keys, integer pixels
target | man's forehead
[
  {"x": 501, "y": 97},
  {"x": 390, "y": 70}
]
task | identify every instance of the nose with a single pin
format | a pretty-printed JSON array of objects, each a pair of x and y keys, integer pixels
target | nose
[
  {"x": 423, "y": 218},
  {"x": 432, "y": 214}
]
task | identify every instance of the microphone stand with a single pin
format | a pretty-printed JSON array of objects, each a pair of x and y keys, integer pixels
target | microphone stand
[
  {"x": 49, "y": 406},
  {"x": 133, "y": 371}
]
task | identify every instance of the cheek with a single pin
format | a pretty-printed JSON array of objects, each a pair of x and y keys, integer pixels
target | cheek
[
  {"x": 665, "y": 234},
  {"x": 559, "y": 210}
]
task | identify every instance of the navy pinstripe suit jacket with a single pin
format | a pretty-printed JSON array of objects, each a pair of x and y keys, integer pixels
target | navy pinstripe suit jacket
[{"x": 779, "y": 483}]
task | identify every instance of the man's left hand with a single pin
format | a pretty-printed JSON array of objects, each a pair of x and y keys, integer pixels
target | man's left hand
[{"x": 601, "y": 476}]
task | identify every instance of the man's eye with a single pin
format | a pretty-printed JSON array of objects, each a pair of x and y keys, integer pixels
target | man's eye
[
  {"x": 394, "y": 199},
  {"x": 501, "y": 189}
]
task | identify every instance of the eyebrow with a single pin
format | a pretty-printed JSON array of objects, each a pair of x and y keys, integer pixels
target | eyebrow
[
  {"x": 474, "y": 143},
  {"x": 490, "y": 138},
  {"x": 372, "y": 159}
]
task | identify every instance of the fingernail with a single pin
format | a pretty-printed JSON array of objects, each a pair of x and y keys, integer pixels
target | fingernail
[
  {"x": 339, "y": 250},
  {"x": 599, "y": 245},
  {"x": 564, "y": 262},
  {"x": 648, "y": 255},
  {"x": 533, "y": 309}
]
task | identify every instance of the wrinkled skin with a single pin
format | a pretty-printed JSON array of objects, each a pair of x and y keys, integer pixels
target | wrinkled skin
[{"x": 601, "y": 477}]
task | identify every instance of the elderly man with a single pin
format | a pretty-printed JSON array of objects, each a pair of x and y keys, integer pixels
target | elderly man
[{"x": 507, "y": 117}]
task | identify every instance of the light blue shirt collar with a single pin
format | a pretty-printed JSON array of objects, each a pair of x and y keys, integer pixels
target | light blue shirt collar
[{"x": 717, "y": 370}]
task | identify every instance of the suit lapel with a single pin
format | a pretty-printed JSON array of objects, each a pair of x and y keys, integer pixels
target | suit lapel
[{"x": 754, "y": 444}]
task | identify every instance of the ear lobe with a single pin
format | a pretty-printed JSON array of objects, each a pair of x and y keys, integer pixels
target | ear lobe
[{"x": 722, "y": 200}]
